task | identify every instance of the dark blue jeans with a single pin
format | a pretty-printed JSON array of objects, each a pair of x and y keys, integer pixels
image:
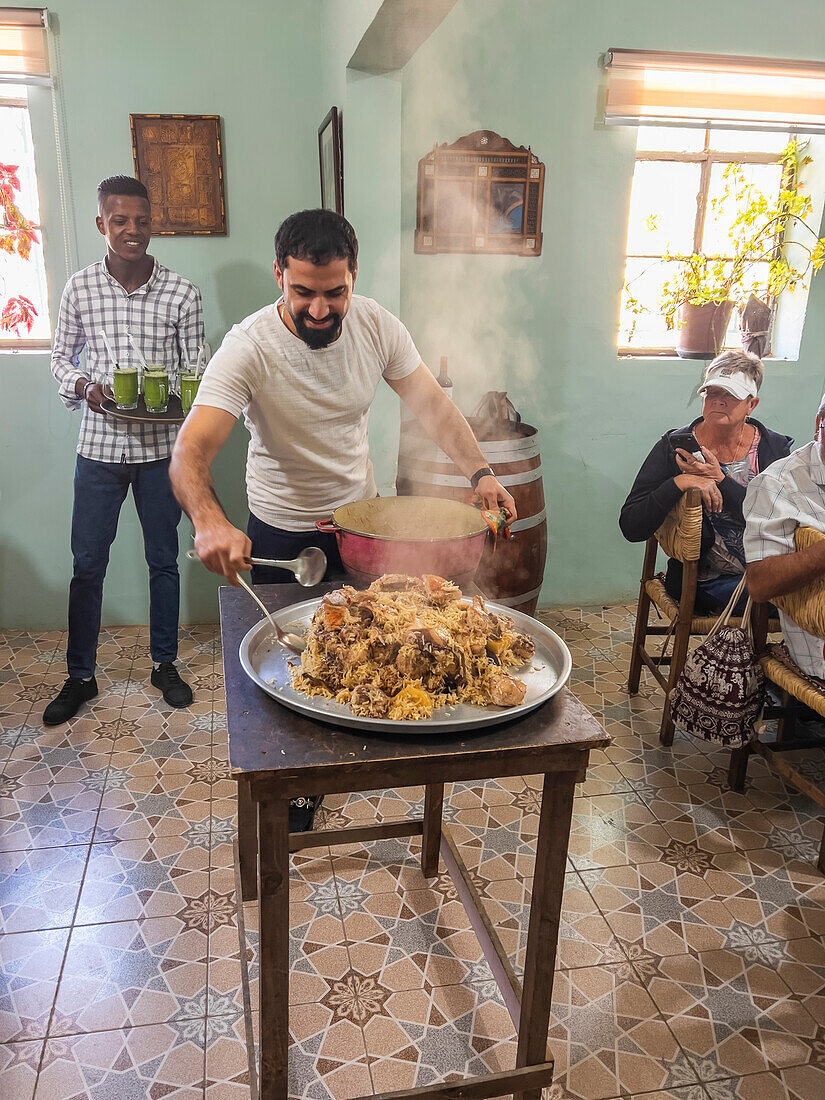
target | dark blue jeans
[
  {"x": 712, "y": 596},
  {"x": 272, "y": 542},
  {"x": 100, "y": 489}
]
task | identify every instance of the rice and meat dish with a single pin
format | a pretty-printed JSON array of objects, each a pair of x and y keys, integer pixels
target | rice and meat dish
[{"x": 407, "y": 645}]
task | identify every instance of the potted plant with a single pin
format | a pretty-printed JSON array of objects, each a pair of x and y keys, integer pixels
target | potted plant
[
  {"x": 16, "y": 235},
  {"x": 698, "y": 300},
  {"x": 700, "y": 297}
]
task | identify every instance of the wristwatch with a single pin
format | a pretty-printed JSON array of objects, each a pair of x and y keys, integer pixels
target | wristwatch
[{"x": 485, "y": 471}]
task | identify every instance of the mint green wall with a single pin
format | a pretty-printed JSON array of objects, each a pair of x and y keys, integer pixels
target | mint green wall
[
  {"x": 544, "y": 329},
  {"x": 260, "y": 66}
]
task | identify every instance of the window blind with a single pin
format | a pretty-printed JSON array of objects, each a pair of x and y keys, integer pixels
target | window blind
[
  {"x": 691, "y": 89},
  {"x": 24, "y": 49}
]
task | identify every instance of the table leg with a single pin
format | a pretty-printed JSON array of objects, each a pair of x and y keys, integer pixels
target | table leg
[
  {"x": 247, "y": 841},
  {"x": 273, "y": 818},
  {"x": 545, "y": 915},
  {"x": 431, "y": 841}
]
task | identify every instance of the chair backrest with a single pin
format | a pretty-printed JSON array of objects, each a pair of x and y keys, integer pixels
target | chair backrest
[
  {"x": 680, "y": 536},
  {"x": 806, "y": 606}
]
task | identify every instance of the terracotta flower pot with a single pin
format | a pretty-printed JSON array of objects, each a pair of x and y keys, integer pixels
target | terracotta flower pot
[{"x": 701, "y": 333}]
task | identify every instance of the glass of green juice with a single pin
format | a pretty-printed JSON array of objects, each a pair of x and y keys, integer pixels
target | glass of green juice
[
  {"x": 125, "y": 387},
  {"x": 189, "y": 382},
  {"x": 156, "y": 388}
]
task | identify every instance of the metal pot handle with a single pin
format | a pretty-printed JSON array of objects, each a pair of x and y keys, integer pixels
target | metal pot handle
[{"x": 326, "y": 526}]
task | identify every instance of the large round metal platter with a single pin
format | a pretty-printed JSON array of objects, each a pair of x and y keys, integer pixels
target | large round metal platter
[{"x": 268, "y": 664}]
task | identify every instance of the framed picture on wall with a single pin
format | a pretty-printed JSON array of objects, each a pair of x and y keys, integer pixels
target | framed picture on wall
[
  {"x": 331, "y": 161},
  {"x": 179, "y": 159},
  {"x": 480, "y": 194}
]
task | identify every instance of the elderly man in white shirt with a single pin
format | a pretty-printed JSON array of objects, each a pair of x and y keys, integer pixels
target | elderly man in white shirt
[{"x": 787, "y": 495}]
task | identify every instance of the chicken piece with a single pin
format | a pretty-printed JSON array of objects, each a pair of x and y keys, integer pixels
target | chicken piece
[
  {"x": 368, "y": 701},
  {"x": 449, "y": 667},
  {"x": 412, "y": 661},
  {"x": 338, "y": 598},
  {"x": 382, "y": 652},
  {"x": 523, "y": 646},
  {"x": 482, "y": 620},
  {"x": 334, "y": 617},
  {"x": 395, "y": 582},
  {"x": 431, "y": 636},
  {"x": 506, "y": 691},
  {"x": 440, "y": 591}
]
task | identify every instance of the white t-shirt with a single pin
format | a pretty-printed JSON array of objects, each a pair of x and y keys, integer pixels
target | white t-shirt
[{"x": 306, "y": 411}]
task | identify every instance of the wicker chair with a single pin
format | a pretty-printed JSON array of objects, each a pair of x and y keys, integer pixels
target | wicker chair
[
  {"x": 807, "y": 608},
  {"x": 680, "y": 537}
]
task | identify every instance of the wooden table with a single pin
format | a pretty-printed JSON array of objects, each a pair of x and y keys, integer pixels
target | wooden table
[{"x": 277, "y": 754}]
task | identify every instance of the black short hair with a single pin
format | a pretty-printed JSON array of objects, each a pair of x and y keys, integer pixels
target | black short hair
[
  {"x": 318, "y": 236},
  {"x": 120, "y": 185}
]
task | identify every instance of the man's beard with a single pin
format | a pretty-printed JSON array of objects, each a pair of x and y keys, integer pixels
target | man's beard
[{"x": 317, "y": 338}]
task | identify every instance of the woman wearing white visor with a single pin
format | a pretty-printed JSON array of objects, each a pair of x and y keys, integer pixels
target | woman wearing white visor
[{"x": 718, "y": 453}]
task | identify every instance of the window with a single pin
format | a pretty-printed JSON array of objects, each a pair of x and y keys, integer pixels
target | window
[
  {"x": 675, "y": 211},
  {"x": 19, "y": 276}
]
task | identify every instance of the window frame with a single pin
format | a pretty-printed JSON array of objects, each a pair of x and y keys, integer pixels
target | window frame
[
  {"x": 706, "y": 157},
  {"x": 22, "y": 343}
]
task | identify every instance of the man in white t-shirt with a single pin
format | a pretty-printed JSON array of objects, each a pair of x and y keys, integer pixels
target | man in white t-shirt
[{"x": 304, "y": 372}]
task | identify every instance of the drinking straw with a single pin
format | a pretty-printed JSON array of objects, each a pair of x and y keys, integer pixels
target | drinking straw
[
  {"x": 201, "y": 350},
  {"x": 137, "y": 350},
  {"x": 108, "y": 347}
]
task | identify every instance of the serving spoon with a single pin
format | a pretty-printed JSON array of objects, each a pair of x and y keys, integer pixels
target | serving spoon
[{"x": 309, "y": 566}]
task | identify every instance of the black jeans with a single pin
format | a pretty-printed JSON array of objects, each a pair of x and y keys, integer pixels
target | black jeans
[
  {"x": 100, "y": 489},
  {"x": 272, "y": 542}
]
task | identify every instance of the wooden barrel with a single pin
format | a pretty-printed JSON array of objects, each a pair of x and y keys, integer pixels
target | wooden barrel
[{"x": 511, "y": 572}]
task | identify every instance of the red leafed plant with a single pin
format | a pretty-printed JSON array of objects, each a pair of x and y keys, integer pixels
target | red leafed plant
[{"x": 16, "y": 235}]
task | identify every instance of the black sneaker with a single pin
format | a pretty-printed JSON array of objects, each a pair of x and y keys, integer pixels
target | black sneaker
[
  {"x": 73, "y": 695},
  {"x": 175, "y": 691},
  {"x": 302, "y": 812}
]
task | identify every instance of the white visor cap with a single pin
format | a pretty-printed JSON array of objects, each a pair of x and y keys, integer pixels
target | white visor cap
[{"x": 738, "y": 383}]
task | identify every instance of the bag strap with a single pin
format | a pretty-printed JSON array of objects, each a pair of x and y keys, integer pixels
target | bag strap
[{"x": 725, "y": 616}]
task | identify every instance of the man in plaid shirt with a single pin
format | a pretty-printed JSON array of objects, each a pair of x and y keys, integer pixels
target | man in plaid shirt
[
  {"x": 788, "y": 494},
  {"x": 127, "y": 292}
]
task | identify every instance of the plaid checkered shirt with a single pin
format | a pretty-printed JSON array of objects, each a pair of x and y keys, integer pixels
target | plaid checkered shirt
[
  {"x": 163, "y": 315},
  {"x": 790, "y": 493}
]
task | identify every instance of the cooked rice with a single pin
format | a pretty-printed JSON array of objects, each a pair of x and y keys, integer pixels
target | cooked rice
[{"x": 408, "y": 645}]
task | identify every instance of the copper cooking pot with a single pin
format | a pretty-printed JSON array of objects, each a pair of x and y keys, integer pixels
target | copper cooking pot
[{"x": 411, "y": 535}]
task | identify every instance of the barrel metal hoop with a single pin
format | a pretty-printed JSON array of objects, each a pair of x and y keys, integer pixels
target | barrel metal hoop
[
  {"x": 528, "y": 522},
  {"x": 497, "y": 450},
  {"x": 505, "y": 479},
  {"x": 514, "y": 601}
]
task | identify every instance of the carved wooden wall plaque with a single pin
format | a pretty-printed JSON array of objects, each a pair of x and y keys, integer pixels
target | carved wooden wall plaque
[
  {"x": 179, "y": 159},
  {"x": 480, "y": 194}
]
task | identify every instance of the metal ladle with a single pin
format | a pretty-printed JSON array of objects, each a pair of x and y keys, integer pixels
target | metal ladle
[
  {"x": 290, "y": 641},
  {"x": 309, "y": 566}
]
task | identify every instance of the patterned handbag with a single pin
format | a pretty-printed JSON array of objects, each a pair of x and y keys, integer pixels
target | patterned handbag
[{"x": 719, "y": 695}]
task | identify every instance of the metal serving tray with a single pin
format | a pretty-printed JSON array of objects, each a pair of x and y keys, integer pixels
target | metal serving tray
[{"x": 267, "y": 664}]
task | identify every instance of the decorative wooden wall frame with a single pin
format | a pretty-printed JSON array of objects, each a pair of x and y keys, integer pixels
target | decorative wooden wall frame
[
  {"x": 331, "y": 161},
  {"x": 179, "y": 159},
  {"x": 480, "y": 194}
]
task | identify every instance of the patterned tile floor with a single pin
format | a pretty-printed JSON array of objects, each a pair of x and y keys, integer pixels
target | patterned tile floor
[{"x": 692, "y": 952}]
